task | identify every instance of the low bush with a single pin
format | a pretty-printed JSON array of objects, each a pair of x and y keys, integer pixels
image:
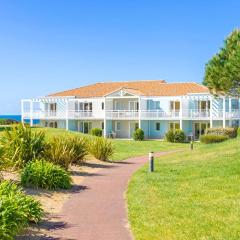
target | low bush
[
  {"x": 21, "y": 145},
  {"x": 17, "y": 210},
  {"x": 101, "y": 148},
  {"x": 138, "y": 135},
  {"x": 176, "y": 136},
  {"x": 96, "y": 132},
  {"x": 3, "y": 128},
  {"x": 238, "y": 132},
  {"x": 169, "y": 136},
  {"x": 64, "y": 151},
  {"x": 43, "y": 174},
  {"x": 213, "y": 138},
  {"x": 5, "y": 121},
  {"x": 230, "y": 132}
]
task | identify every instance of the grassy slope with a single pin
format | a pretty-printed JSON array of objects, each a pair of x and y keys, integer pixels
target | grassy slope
[
  {"x": 124, "y": 148},
  {"x": 191, "y": 195}
]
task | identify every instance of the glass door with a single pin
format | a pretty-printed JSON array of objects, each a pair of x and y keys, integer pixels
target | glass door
[{"x": 133, "y": 105}]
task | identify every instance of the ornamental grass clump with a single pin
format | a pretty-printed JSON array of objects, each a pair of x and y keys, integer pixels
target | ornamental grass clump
[
  {"x": 64, "y": 151},
  {"x": 46, "y": 175},
  {"x": 101, "y": 148},
  {"x": 21, "y": 145},
  {"x": 17, "y": 210}
]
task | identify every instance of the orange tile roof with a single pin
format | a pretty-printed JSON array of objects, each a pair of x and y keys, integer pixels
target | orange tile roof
[{"x": 145, "y": 87}]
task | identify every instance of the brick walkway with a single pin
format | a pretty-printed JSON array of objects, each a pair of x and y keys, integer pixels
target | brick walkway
[{"x": 99, "y": 212}]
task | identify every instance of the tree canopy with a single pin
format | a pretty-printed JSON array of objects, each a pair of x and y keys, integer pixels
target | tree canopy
[{"x": 222, "y": 72}]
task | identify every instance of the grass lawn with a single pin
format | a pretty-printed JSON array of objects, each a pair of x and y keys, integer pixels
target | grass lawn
[
  {"x": 191, "y": 195},
  {"x": 124, "y": 148}
]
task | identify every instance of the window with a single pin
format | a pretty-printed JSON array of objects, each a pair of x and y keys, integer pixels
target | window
[
  {"x": 102, "y": 105},
  {"x": 136, "y": 126},
  {"x": 117, "y": 126},
  {"x": 157, "y": 126},
  {"x": 174, "y": 125},
  {"x": 102, "y": 125}
]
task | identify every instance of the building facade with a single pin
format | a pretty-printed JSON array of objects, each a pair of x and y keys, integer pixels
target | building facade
[{"x": 121, "y": 107}]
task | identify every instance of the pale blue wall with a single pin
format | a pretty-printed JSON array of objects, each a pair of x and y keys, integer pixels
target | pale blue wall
[
  {"x": 149, "y": 128},
  {"x": 72, "y": 125}
]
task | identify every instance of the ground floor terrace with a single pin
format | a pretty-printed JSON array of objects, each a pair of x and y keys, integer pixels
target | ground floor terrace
[{"x": 153, "y": 129}]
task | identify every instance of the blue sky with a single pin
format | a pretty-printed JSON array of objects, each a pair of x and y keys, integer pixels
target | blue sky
[{"x": 48, "y": 46}]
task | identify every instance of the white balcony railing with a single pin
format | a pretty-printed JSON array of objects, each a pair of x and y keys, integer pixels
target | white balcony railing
[
  {"x": 132, "y": 114},
  {"x": 156, "y": 114},
  {"x": 80, "y": 114},
  {"x": 122, "y": 114},
  {"x": 190, "y": 113}
]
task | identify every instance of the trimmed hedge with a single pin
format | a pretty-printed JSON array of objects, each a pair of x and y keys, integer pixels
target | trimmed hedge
[
  {"x": 138, "y": 135},
  {"x": 213, "y": 138},
  {"x": 43, "y": 174},
  {"x": 96, "y": 132},
  {"x": 176, "y": 136},
  {"x": 230, "y": 132},
  {"x": 238, "y": 132}
]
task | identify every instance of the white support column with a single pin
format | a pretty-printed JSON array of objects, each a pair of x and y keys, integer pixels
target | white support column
[
  {"x": 31, "y": 113},
  {"x": 224, "y": 112},
  {"x": 22, "y": 111},
  {"x": 139, "y": 113},
  {"x": 230, "y": 111},
  {"x": 67, "y": 127},
  {"x": 105, "y": 120},
  {"x": 181, "y": 113},
  {"x": 211, "y": 112}
]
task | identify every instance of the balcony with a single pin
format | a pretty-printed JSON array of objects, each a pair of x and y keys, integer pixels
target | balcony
[
  {"x": 80, "y": 114},
  {"x": 122, "y": 114},
  {"x": 156, "y": 114}
]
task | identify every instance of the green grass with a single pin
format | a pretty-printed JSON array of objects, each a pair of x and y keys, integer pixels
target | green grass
[
  {"x": 129, "y": 148},
  {"x": 123, "y": 148},
  {"x": 191, "y": 195}
]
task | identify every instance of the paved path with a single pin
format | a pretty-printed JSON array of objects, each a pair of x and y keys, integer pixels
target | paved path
[{"x": 99, "y": 212}]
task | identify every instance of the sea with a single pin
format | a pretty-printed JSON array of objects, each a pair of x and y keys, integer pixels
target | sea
[{"x": 17, "y": 118}]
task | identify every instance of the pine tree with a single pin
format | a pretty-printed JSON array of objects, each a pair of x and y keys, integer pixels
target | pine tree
[{"x": 222, "y": 72}]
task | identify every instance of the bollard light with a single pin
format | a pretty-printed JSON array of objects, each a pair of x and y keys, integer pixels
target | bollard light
[
  {"x": 191, "y": 145},
  {"x": 151, "y": 162}
]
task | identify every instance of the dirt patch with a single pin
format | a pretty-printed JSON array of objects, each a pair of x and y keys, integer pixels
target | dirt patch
[{"x": 53, "y": 201}]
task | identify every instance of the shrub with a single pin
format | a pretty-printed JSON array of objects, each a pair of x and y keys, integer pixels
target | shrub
[
  {"x": 101, "y": 148},
  {"x": 176, "y": 136},
  {"x": 4, "y": 121},
  {"x": 230, "y": 132},
  {"x": 138, "y": 135},
  {"x": 170, "y": 135},
  {"x": 64, "y": 151},
  {"x": 96, "y": 132},
  {"x": 21, "y": 145},
  {"x": 179, "y": 136},
  {"x": 17, "y": 210},
  {"x": 238, "y": 132},
  {"x": 43, "y": 174},
  {"x": 213, "y": 138}
]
